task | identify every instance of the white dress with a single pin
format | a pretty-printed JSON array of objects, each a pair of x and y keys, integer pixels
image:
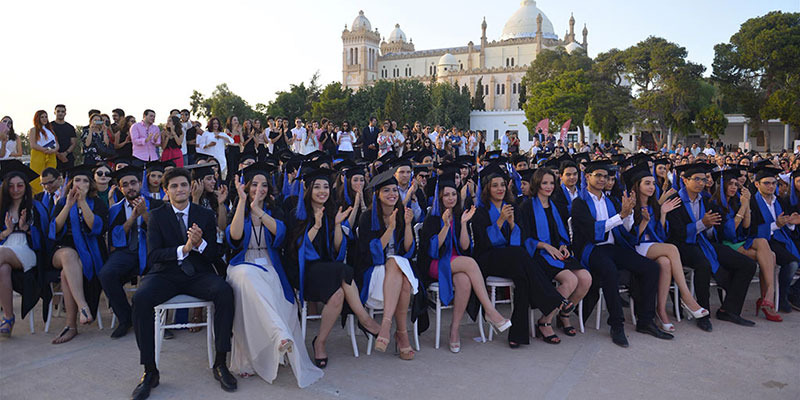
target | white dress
[
  {"x": 263, "y": 318},
  {"x": 18, "y": 243},
  {"x": 217, "y": 150},
  {"x": 375, "y": 296}
]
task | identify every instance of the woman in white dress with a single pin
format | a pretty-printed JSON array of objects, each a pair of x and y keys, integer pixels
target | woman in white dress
[
  {"x": 10, "y": 145},
  {"x": 386, "y": 244},
  {"x": 212, "y": 143},
  {"x": 266, "y": 329},
  {"x": 22, "y": 234}
]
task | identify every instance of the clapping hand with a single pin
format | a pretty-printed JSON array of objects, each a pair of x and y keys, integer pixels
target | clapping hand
[
  {"x": 195, "y": 236},
  {"x": 447, "y": 217},
  {"x": 466, "y": 216},
  {"x": 197, "y": 191},
  {"x": 782, "y": 220},
  {"x": 318, "y": 213},
  {"x": 240, "y": 188},
  {"x": 711, "y": 218},
  {"x": 342, "y": 215},
  {"x": 409, "y": 215},
  {"x": 139, "y": 206},
  {"x": 392, "y": 221},
  {"x": 628, "y": 202},
  {"x": 9, "y": 223},
  {"x": 645, "y": 215},
  {"x": 670, "y": 205},
  {"x": 222, "y": 194},
  {"x": 745, "y": 196}
]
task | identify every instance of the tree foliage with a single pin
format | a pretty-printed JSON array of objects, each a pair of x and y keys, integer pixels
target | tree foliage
[
  {"x": 477, "y": 100},
  {"x": 222, "y": 104},
  {"x": 711, "y": 121}
]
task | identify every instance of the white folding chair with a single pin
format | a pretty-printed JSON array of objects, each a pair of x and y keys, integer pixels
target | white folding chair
[
  {"x": 599, "y": 307},
  {"x": 30, "y": 314},
  {"x": 131, "y": 289},
  {"x": 372, "y": 312},
  {"x": 183, "y": 301},
  {"x": 97, "y": 317},
  {"x": 351, "y": 325},
  {"x": 494, "y": 282}
]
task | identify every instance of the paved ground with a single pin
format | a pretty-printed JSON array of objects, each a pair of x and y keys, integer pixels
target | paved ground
[{"x": 731, "y": 363}]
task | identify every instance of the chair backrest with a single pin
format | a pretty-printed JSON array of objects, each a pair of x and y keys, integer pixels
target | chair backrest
[
  {"x": 417, "y": 229},
  {"x": 569, "y": 227}
]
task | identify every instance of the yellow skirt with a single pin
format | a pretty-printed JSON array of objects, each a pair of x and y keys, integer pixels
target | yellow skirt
[{"x": 40, "y": 161}]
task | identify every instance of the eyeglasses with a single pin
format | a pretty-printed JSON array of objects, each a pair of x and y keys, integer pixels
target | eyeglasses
[
  {"x": 48, "y": 183},
  {"x": 102, "y": 173},
  {"x": 769, "y": 183},
  {"x": 699, "y": 179},
  {"x": 601, "y": 177}
]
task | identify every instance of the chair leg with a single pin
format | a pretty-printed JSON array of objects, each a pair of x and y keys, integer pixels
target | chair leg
[
  {"x": 633, "y": 312},
  {"x": 49, "y": 316},
  {"x": 30, "y": 321},
  {"x": 416, "y": 334},
  {"x": 304, "y": 319},
  {"x": 598, "y": 309},
  {"x": 157, "y": 333},
  {"x": 580, "y": 315},
  {"x": 351, "y": 325},
  {"x": 438, "y": 319},
  {"x": 480, "y": 324},
  {"x": 370, "y": 338},
  {"x": 777, "y": 287},
  {"x": 209, "y": 335},
  {"x": 676, "y": 301},
  {"x": 493, "y": 296}
]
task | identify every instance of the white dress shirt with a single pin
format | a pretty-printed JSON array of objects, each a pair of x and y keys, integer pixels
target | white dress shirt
[{"x": 611, "y": 223}]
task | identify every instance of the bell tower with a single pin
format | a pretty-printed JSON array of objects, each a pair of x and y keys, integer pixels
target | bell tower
[{"x": 360, "y": 51}]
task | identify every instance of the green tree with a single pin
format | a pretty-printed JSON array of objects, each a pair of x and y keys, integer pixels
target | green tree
[
  {"x": 449, "y": 106},
  {"x": 477, "y": 100},
  {"x": 758, "y": 68},
  {"x": 711, "y": 121},
  {"x": 393, "y": 105},
  {"x": 222, "y": 104},
  {"x": 559, "y": 98},
  {"x": 523, "y": 96},
  {"x": 333, "y": 103},
  {"x": 610, "y": 109}
]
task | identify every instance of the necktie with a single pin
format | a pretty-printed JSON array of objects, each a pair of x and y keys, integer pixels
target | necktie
[
  {"x": 49, "y": 202},
  {"x": 186, "y": 266}
]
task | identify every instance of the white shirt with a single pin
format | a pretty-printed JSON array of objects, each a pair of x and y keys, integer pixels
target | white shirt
[
  {"x": 185, "y": 217},
  {"x": 433, "y": 135},
  {"x": 46, "y": 137},
  {"x": 299, "y": 135},
  {"x": 771, "y": 207},
  {"x": 345, "y": 140},
  {"x": 185, "y": 126},
  {"x": 611, "y": 223},
  {"x": 709, "y": 151},
  {"x": 11, "y": 146},
  {"x": 504, "y": 144}
]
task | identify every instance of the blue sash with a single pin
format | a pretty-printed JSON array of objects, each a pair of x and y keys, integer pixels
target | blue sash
[
  {"x": 694, "y": 237},
  {"x": 568, "y": 197},
  {"x": 85, "y": 243},
  {"x": 600, "y": 226},
  {"x": 496, "y": 236},
  {"x": 445, "y": 272},
  {"x": 543, "y": 231}
]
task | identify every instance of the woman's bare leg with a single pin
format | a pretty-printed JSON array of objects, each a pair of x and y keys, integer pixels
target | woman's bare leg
[
  {"x": 567, "y": 282},
  {"x": 8, "y": 263},
  {"x": 392, "y": 285},
  {"x": 671, "y": 252},
  {"x": 461, "y": 287},
  {"x": 72, "y": 273},
  {"x": 401, "y": 312},
  {"x": 468, "y": 266},
  {"x": 353, "y": 299},
  {"x": 330, "y": 312}
]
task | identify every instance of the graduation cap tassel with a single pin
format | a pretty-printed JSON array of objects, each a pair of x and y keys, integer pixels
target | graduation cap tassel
[
  {"x": 346, "y": 194},
  {"x": 478, "y": 192},
  {"x": 300, "y": 210},
  {"x": 285, "y": 191},
  {"x": 722, "y": 195},
  {"x": 435, "y": 207},
  {"x": 375, "y": 223}
]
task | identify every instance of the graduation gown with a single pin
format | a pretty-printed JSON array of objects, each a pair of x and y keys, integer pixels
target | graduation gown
[
  {"x": 588, "y": 231},
  {"x": 760, "y": 227},
  {"x": 87, "y": 242},
  {"x": 32, "y": 284},
  {"x": 429, "y": 250},
  {"x": 318, "y": 269},
  {"x": 118, "y": 239}
]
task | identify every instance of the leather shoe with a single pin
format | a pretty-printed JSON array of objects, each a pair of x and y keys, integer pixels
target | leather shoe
[
  {"x": 168, "y": 334},
  {"x": 651, "y": 329},
  {"x": 121, "y": 330},
  {"x": 736, "y": 319},
  {"x": 149, "y": 381},
  {"x": 618, "y": 337},
  {"x": 225, "y": 378},
  {"x": 705, "y": 324}
]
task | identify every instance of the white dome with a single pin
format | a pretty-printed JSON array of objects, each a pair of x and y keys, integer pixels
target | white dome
[
  {"x": 522, "y": 23},
  {"x": 572, "y": 46},
  {"x": 397, "y": 35},
  {"x": 361, "y": 22},
  {"x": 448, "y": 59}
]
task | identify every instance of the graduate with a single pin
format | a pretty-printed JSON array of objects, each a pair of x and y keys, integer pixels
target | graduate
[
  {"x": 24, "y": 247},
  {"x": 317, "y": 246},
  {"x": 567, "y": 190},
  {"x": 789, "y": 297},
  {"x": 384, "y": 272},
  {"x": 547, "y": 240},
  {"x": 499, "y": 252},
  {"x": 770, "y": 222},
  {"x": 445, "y": 256},
  {"x": 151, "y": 186},
  {"x": 692, "y": 228},
  {"x": 77, "y": 227},
  {"x": 127, "y": 239},
  {"x": 264, "y": 301}
]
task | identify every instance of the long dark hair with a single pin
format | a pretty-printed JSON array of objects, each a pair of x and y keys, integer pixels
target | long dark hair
[
  {"x": 331, "y": 208},
  {"x": 12, "y": 135},
  {"x": 400, "y": 222},
  {"x": 5, "y": 196},
  {"x": 652, "y": 201},
  {"x": 538, "y": 177},
  {"x": 456, "y": 208},
  {"x": 350, "y": 192},
  {"x": 176, "y": 125},
  {"x": 486, "y": 196},
  {"x": 732, "y": 203}
]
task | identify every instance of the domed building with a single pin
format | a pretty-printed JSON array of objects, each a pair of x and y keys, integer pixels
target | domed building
[{"x": 498, "y": 64}]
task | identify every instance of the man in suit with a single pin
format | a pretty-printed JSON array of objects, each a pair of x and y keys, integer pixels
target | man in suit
[
  {"x": 181, "y": 247},
  {"x": 565, "y": 193},
  {"x": 370, "y": 138},
  {"x": 51, "y": 183},
  {"x": 602, "y": 241},
  {"x": 128, "y": 221}
]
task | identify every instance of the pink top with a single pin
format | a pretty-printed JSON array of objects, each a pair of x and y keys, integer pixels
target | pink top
[{"x": 143, "y": 148}]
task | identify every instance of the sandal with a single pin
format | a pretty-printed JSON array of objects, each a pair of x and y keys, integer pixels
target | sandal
[
  {"x": 552, "y": 339},
  {"x": 568, "y": 330},
  {"x": 406, "y": 353},
  {"x": 7, "y": 325},
  {"x": 566, "y": 307},
  {"x": 86, "y": 316},
  {"x": 65, "y": 336},
  {"x": 196, "y": 320},
  {"x": 381, "y": 343},
  {"x": 321, "y": 363},
  {"x": 286, "y": 346}
]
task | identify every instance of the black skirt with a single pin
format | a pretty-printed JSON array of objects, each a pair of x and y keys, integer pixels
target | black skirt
[
  {"x": 571, "y": 264},
  {"x": 324, "y": 278}
]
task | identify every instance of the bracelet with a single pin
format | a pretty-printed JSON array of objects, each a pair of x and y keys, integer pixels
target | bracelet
[{"x": 740, "y": 215}]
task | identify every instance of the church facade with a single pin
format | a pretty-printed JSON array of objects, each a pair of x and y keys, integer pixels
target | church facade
[{"x": 498, "y": 65}]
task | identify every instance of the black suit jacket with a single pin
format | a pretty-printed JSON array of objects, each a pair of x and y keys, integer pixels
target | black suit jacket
[
  {"x": 369, "y": 138},
  {"x": 164, "y": 237}
]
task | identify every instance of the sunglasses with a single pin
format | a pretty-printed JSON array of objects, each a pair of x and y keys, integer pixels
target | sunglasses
[{"x": 102, "y": 173}]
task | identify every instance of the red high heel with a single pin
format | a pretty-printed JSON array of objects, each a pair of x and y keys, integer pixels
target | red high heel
[{"x": 769, "y": 310}]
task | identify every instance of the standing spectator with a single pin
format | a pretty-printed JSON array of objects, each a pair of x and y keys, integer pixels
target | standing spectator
[
  {"x": 10, "y": 145},
  {"x": 385, "y": 140},
  {"x": 472, "y": 141},
  {"x": 122, "y": 137},
  {"x": 504, "y": 141},
  {"x": 298, "y": 136},
  {"x": 171, "y": 140},
  {"x": 370, "y": 140},
  {"x": 43, "y": 147},
  {"x": 93, "y": 138},
  {"x": 145, "y": 136},
  {"x": 709, "y": 151},
  {"x": 212, "y": 142},
  {"x": 695, "y": 149},
  {"x": 345, "y": 139},
  {"x": 329, "y": 133},
  {"x": 117, "y": 116},
  {"x": 186, "y": 124},
  {"x": 66, "y": 138}
]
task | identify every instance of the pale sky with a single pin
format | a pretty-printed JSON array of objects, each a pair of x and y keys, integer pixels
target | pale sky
[{"x": 152, "y": 54}]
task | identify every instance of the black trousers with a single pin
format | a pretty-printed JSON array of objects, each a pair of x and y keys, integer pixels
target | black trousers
[
  {"x": 122, "y": 266},
  {"x": 735, "y": 272},
  {"x": 532, "y": 288},
  {"x": 605, "y": 263},
  {"x": 156, "y": 288}
]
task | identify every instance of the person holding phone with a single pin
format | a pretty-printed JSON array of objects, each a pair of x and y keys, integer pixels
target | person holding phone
[{"x": 43, "y": 147}]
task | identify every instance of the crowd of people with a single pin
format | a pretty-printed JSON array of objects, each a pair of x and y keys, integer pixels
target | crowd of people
[{"x": 262, "y": 219}]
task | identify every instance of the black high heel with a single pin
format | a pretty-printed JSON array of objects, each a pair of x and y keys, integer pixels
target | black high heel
[
  {"x": 568, "y": 330},
  {"x": 366, "y": 331},
  {"x": 566, "y": 307},
  {"x": 552, "y": 339},
  {"x": 321, "y": 363}
]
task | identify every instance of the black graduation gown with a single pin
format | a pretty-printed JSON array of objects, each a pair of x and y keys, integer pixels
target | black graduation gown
[{"x": 32, "y": 285}]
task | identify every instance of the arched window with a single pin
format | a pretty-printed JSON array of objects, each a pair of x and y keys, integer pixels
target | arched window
[
  {"x": 503, "y": 86},
  {"x": 512, "y": 61}
]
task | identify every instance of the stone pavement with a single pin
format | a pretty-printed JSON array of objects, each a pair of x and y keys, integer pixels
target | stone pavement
[{"x": 733, "y": 362}]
